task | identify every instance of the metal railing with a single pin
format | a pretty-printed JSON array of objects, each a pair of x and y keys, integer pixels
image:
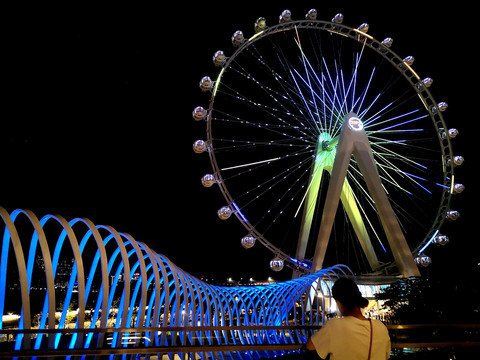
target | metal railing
[
  {"x": 263, "y": 340},
  {"x": 267, "y": 340},
  {"x": 434, "y": 335}
]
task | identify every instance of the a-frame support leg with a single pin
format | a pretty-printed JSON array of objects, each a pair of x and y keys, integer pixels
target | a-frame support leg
[{"x": 353, "y": 141}]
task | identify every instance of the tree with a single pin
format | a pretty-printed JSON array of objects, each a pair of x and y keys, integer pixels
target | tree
[
  {"x": 436, "y": 298},
  {"x": 433, "y": 299}
]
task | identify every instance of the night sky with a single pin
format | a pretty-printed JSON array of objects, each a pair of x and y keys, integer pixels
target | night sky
[{"x": 96, "y": 116}]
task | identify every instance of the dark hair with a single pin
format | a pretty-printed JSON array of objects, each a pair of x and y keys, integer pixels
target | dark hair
[{"x": 346, "y": 291}]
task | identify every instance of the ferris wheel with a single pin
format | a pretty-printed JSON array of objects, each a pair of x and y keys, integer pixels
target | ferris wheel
[{"x": 282, "y": 115}]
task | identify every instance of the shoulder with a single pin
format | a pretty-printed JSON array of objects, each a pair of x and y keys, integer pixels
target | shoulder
[
  {"x": 379, "y": 326},
  {"x": 334, "y": 323},
  {"x": 329, "y": 327},
  {"x": 378, "y": 323},
  {"x": 336, "y": 320}
]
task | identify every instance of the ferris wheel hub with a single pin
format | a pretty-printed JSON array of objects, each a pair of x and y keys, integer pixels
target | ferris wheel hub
[{"x": 355, "y": 123}]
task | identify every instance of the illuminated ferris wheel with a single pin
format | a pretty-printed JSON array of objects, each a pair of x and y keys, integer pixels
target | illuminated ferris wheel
[{"x": 328, "y": 147}]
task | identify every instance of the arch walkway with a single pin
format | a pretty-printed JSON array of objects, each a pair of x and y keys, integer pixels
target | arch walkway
[{"x": 83, "y": 286}]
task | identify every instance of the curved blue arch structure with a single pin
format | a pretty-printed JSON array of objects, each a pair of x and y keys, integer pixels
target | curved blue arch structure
[{"x": 115, "y": 282}]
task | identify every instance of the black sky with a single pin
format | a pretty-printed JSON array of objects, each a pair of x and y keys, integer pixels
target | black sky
[{"x": 97, "y": 104}]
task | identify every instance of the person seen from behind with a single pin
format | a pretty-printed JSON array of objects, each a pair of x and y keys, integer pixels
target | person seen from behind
[{"x": 351, "y": 337}]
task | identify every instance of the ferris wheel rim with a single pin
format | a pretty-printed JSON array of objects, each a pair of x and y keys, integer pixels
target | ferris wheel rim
[{"x": 431, "y": 106}]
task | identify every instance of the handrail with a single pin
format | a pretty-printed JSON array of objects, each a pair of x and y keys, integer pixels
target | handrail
[
  {"x": 149, "y": 350},
  {"x": 472, "y": 340},
  {"x": 434, "y": 335},
  {"x": 419, "y": 326},
  {"x": 158, "y": 328},
  {"x": 221, "y": 328}
]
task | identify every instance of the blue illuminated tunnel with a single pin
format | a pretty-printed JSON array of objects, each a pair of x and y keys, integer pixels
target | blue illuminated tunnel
[{"x": 97, "y": 277}]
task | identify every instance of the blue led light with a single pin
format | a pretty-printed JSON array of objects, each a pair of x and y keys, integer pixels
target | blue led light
[
  {"x": 305, "y": 264},
  {"x": 428, "y": 242},
  {"x": 239, "y": 212}
]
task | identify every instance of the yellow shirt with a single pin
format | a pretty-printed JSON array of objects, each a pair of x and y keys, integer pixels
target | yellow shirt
[{"x": 348, "y": 338}]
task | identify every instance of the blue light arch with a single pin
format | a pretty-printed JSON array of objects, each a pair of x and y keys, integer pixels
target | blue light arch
[{"x": 132, "y": 286}]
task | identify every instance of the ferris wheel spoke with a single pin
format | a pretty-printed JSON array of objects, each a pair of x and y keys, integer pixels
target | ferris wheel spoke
[
  {"x": 251, "y": 164},
  {"x": 389, "y": 169},
  {"x": 361, "y": 99},
  {"x": 394, "y": 155},
  {"x": 252, "y": 195},
  {"x": 281, "y": 98},
  {"x": 364, "y": 212},
  {"x": 380, "y": 115},
  {"x": 326, "y": 99},
  {"x": 283, "y": 118},
  {"x": 335, "y": 112},
  {"x": 337, "y": 102},
  {"x": 260, "y": 167},
  {"x": 290, "y": 134},
  {"x": 230, "y": 144},
  {"x": 350, "y": 91},
  {"x": 351, "y": 206},
  {"x": 311, "y": 75},
  {"x": 399, "y": 124},
  {"x": 388, "y": 179}
]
